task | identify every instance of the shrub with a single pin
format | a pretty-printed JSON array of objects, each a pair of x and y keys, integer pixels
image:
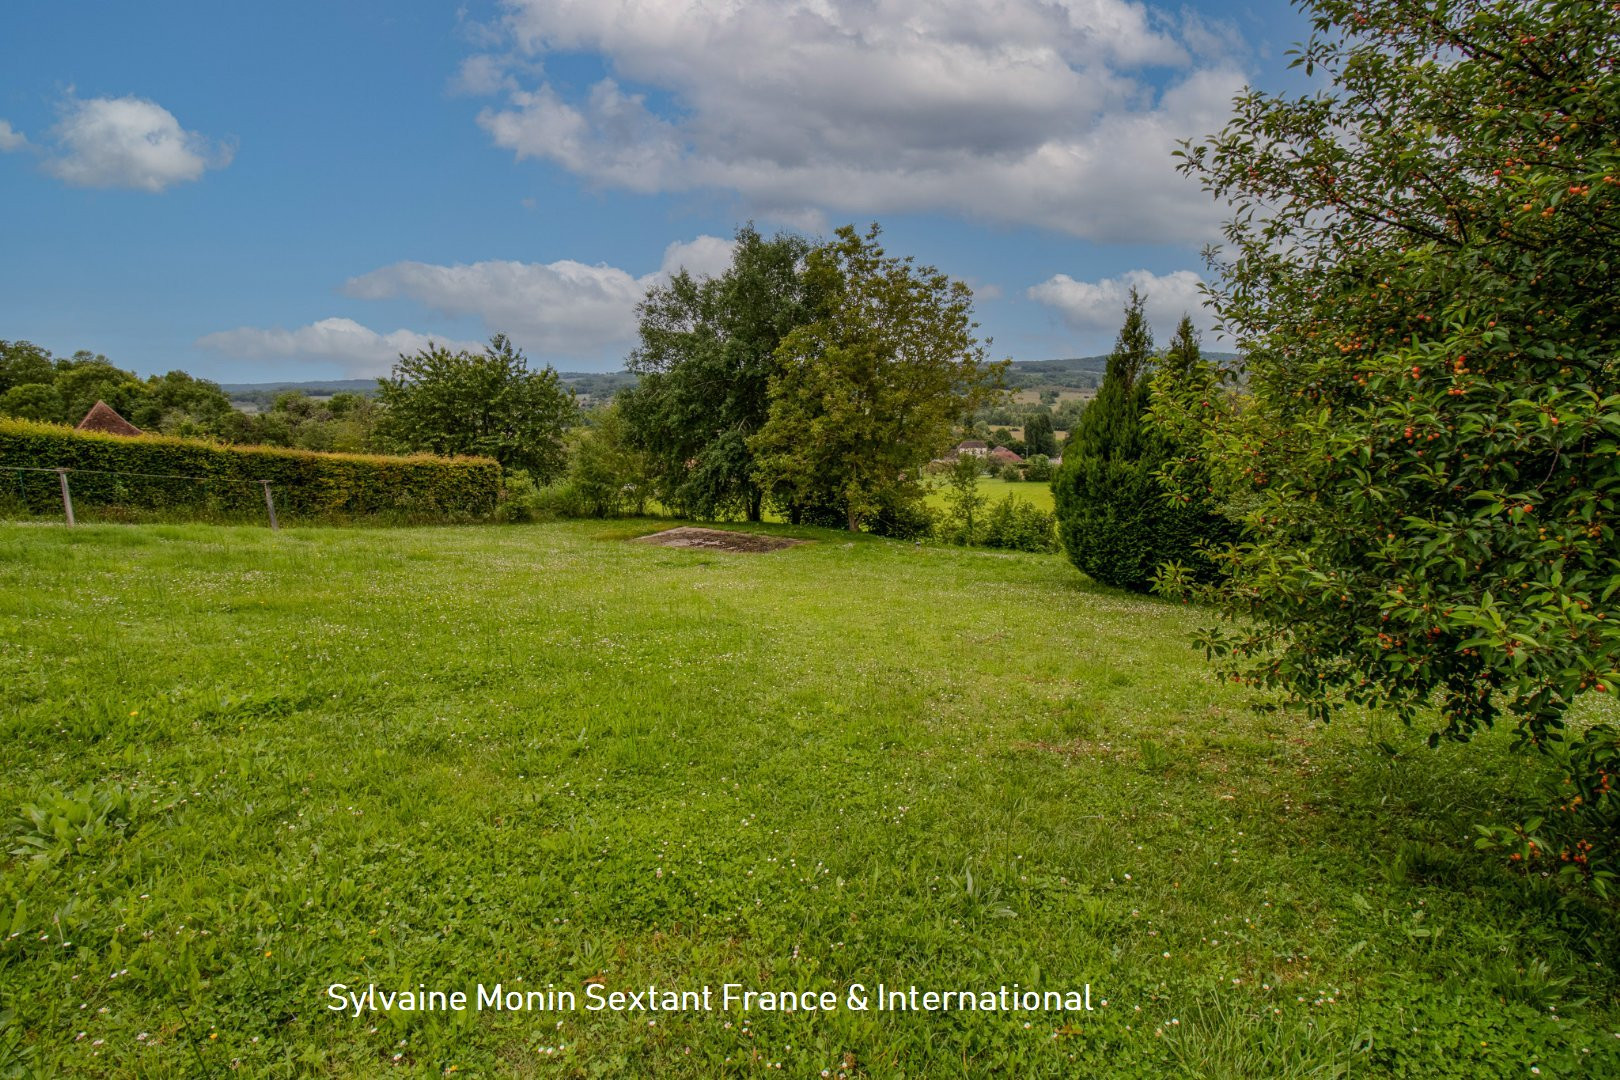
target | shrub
[
  {"x": 486, "y": 403},
  {"x": 162, "y": 473},
  {"x": 609, "y": 474},
  {"x": 523, "y": 500},
  {"x": 1019, "y": 526},
  {"x": 964, "y": 499},
  {"x": 822, "y": 515},
  {"x": 902, "y": 519}
]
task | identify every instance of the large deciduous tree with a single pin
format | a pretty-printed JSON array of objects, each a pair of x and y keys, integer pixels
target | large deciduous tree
[
  {"x": 869, "y": 392},
  {"x": 1423, "y": 273},
  {"x": 487, "y": 403},
  {"x": 705, "y": 361}
]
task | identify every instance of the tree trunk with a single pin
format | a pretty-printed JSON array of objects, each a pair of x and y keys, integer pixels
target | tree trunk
[
  {"x": 795, "y": 514},
  {"x": 755, "y": 501},
  {"x": 854, "y": 526}
]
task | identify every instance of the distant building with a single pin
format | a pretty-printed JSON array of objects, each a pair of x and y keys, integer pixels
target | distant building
[
  {"x": 104, "y": 419},
  {"x": 974, "y": 447}
]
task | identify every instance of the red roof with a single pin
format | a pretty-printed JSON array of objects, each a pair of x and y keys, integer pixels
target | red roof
[{"x": 104, "y": 419}]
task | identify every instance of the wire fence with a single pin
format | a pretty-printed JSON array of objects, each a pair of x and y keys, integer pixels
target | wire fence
[{"x": 114, "y": 491}]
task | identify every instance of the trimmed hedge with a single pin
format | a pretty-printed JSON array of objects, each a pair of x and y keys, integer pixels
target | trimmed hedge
[{"x": 226, "y": 479}]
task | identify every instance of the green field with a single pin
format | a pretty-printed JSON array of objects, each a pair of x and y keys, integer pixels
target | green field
[
  {"x": 243, "y": 766},
  {"x": 996, "y": 489}
]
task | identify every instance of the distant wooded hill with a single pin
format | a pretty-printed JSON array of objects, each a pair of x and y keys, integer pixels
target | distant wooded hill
[
  {"x": 589, "y": 385},
  {"x": 1075, "y": 372},
  {"x": 1079, "y": 372}
]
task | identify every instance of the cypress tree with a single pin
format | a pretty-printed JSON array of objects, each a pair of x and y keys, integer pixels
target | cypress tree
[{"x": 1115, "y": 520}]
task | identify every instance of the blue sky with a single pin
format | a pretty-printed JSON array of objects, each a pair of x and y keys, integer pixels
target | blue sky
[{"x": 303, "y": 190}]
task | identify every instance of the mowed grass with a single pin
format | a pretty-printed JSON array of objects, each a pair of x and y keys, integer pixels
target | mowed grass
[
  {"x": 996, "y": 489},
  {"x": 259, "y": 764}
]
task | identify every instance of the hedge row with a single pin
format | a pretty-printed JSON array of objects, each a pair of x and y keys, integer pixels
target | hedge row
[{"x": 227, "y": 479}]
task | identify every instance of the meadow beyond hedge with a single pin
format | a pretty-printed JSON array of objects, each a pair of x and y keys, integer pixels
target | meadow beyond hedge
[{"x": 159, "y": 474}]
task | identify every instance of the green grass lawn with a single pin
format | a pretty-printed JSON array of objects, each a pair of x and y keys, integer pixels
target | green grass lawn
[
  {"x": 996, "y": 489},
  {"x": 243, "y": 766}
]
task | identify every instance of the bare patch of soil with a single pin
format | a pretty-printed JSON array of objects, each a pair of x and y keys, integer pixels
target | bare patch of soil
[{"x": 718, "y": 540}]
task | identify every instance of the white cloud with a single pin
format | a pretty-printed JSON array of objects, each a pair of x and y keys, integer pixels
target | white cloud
[
  {"x": 1042, "y": 112},
  {"x": 482, "y": 73},
  {"x": 360, "y": 350},
  {"x": 129, "y": 142},
  {"x": 563, "y": 308},
  {"x": 1099, "y": 306},
  {"x": 10, "y": 138},
  {"x": 559, "y": 312},
  {"x": 706, "y": 256}
]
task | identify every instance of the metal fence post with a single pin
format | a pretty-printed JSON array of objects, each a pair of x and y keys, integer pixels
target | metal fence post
[
  {"x": 270, "y": 505},
  {"x": 67, "y": 496}
]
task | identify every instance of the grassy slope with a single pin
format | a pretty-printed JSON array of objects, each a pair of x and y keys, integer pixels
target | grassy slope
[{"x": 458, "y": 754}]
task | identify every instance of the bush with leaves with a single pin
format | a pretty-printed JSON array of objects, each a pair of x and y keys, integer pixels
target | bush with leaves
[
  {"x": 1421, "y": 271},
  {"x": 609, "y": 475},
  {"x": 488, "y": 404},
  {"x": 522, "y": 500},
  {"x": 1019, "y": 525},
  {"x": 963, "y": 499},
  {"x": 902, "y": 519}
]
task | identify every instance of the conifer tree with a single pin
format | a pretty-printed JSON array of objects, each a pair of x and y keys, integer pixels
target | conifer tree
[{"x": 1118, "y": 523}]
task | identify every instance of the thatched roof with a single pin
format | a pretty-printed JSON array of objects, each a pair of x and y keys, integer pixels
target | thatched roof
[{"x": 102, "y": 418}]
